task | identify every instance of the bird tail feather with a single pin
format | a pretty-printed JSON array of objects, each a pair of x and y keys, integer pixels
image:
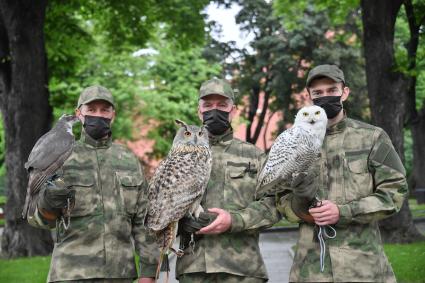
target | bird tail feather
[{"x": 158, "y": 267}]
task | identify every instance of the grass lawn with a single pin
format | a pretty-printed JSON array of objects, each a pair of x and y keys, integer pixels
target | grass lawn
[
  {"x": 27, "y": 270},
  {"x": 408, "y": 261},
  {"x": 24, "y": 270}
]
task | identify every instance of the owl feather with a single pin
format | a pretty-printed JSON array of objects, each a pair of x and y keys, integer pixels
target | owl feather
[
  {"x": 294, "y": 150},
  {"x": 178, "y": 184}
]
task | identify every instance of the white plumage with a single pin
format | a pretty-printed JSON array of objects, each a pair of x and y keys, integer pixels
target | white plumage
[{"x": 295, "y": 149}]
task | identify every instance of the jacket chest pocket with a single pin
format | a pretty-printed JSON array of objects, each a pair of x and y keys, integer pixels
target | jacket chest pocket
[
  {"x": 357, "y": 178},
  {"x": 240, "y": 182},
  {"x": 86, "y": 196},
  {"x": 128, "y": 190}
]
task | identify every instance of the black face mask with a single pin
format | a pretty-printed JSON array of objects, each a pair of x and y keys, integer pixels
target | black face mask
[
  {"x": 331, "y": 104},
  {"x": 97, "y": 127},
  {"x": 216, "y": 121}
]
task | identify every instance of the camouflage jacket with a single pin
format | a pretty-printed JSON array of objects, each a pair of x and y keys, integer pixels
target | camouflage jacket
[
  {"x": 231, "y": 187},
  {"x": 107, "y": 218},
  {"x": 361, "y": 172}
]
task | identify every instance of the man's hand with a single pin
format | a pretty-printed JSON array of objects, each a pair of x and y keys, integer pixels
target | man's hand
[
  {"x": 146, "y": 280},
  {"x": 221, "y": 224},
  {"x": 326, "y": 214}
]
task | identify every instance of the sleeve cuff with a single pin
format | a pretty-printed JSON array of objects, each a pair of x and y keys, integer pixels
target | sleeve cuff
[
  {"x": 238, "y": 224},
  {"x": 345, "y": 215},
  {"x": 147, "y": 270}
]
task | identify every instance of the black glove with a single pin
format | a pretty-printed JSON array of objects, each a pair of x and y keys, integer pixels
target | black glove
[
  {"x": 191, "y": 225},
  {"x": 304, "y": 194},
  {"x": 303, "y": 184},
  {"x": 55, "y": 196},
  {"x": 188, "y": 225}
]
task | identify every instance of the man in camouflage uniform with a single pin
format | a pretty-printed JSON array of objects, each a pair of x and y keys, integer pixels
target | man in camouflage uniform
[
  {"x": 108, "y": 183},
  {"x": 227, "y": 250},
  {"x": 360, "y": 180}
]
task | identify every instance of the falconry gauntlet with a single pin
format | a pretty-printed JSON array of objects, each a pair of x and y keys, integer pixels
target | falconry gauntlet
[
  {"x": 304, "y": 192},
  {"x": 56, "y": 200},
  {"x": 189, "y": 225}
]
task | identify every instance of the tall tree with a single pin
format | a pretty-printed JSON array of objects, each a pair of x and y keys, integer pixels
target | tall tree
[
  {"x": 24, "y": 97},
  {"x": 385, "y": 85},
  {"x": 415, "y": 116},
  {"x": 282, "y": 55},
  {"x": 26, "y": 113}
]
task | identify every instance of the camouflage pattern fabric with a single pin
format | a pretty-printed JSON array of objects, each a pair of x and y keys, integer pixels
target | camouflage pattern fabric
[
  {"x": 93, "y": 93},
  {"x": 200, "y": 277},
  {"x": 216, "y": 86},
  {"x": 361, "y": 172},
  {"x": 110, "y": 204},
  {"x": 232, "y": 187}
]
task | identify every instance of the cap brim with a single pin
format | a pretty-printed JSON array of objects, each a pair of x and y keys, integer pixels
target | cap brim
[
  {"x": 207, "y": 94},
  {"x": 335, "y": 79},
  {"x": 94, "y": 99}
]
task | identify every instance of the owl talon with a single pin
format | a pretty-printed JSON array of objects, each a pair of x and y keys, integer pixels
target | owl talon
[{"x": 178, "y": 253}]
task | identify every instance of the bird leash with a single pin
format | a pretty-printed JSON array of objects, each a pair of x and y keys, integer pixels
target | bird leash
[
  {"x": 65, "y": 219},
  {"x": 322, "y": 235}
]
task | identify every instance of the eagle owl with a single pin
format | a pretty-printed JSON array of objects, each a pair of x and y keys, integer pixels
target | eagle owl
[
  {"x": 295, "y": 149},
  {"x": 46, "y": 157},
  {"x": 178, "y": 184}
]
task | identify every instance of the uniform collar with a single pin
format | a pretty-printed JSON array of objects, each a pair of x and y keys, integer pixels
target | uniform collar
[
  {"x": 104, "y": 143},
  {"x": 338, "y": 127},
  {"x": 224, "y": 138}
]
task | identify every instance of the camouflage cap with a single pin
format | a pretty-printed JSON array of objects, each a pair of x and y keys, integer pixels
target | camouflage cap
[
  {"x": 93, "y": 93},
  {"x": 216, "y": 86},
  {"x": 330, "y": 71}
]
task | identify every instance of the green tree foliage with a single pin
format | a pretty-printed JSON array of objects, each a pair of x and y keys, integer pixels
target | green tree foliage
[
  {"x": 176, "y": 76},
  {"x": 292, "y": 10},
  {"x": 283, "y": 56},
  {"x": 92, "y": 42}
]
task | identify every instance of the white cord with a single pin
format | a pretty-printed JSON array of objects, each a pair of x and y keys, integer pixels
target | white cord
[{"x": 323, "y": 235}]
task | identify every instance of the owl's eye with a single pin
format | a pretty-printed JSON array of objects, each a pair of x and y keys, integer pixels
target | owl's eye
[
  {"x": 305, "y": 114},
  {"x": 317, "y": 113},
  {"x": 200, "y": 134},
  {"x": 187, "y": 134}
]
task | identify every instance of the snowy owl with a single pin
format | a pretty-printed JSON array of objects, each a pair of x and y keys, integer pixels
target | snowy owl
[{"x": 295, "y": 149}]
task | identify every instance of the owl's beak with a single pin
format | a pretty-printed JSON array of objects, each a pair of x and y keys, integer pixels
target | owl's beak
[{"x": 312, "y": 122}]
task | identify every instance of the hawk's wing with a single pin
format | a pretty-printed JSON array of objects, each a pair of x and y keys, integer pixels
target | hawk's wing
[
  {"x": 179, "y": 181},
  {"x": 49, "y": 148},
  {"x": 293, "y": 151},
  {"x": 37, "y": 178}
]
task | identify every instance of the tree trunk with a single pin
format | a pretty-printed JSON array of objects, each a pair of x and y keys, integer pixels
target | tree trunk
[
  {"x": 252, "y": 112},
  {"x": 418, "y": 135},
  {"x": 386, "y": 89},
  {"x": 26, "y": 113},
  {"x": 415, "y": 120}
]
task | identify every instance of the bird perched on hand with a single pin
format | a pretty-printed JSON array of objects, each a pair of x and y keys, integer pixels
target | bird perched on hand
[
  {"x": 178, "y": 185},
  {"x": 46, "y": 157},
  {"x": 295, "y": 150}
]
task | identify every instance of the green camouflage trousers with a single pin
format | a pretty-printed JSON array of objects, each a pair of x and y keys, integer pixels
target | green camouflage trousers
[
  {"x": 201, "y": 277},
  {"x": 100, "y": 280}
]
